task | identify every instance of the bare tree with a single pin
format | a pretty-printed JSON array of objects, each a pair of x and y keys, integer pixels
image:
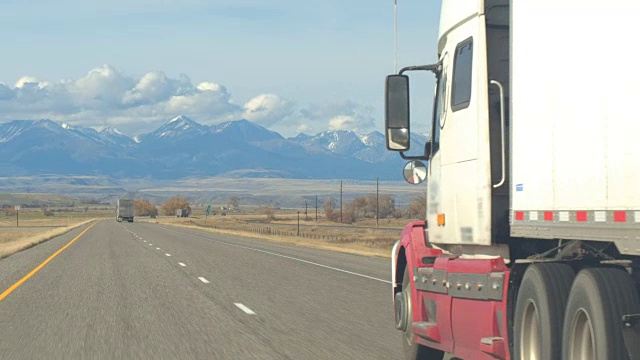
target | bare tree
[
  {"x": 145, "y": 208},
  {"x": 175, "y": 203},
  {"x": 330, "y": 210},
  {"x": 360, "y": 207},
  {"x": 234, "y": 202},
  {"x": 418, "y": 207},
  {"x": 349, "y": 213},
  {"x": 270, "y": 212},
  {"x": 386, "y": 207},
  {"x": 46, "y": 211}
]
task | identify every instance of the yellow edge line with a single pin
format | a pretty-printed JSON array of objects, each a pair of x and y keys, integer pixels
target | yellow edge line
[{"x": 15, "y": 286}]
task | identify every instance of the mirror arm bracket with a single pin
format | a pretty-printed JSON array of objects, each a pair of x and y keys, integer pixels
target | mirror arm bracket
[
  {"x": 407, "y": 157},
  {"x": 434, "y": 68}
]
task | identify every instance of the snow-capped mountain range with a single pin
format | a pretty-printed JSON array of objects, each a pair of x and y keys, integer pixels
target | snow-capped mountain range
[{"x": 184, "y": 148}]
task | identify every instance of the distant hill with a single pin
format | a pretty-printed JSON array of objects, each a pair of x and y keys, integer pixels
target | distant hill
[{"x": 183, "y": 148}]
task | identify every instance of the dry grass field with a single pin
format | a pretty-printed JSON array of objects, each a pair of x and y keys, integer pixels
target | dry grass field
[
  {"x": 360, "y": 238},
  {"x": 14, "y": 240}
]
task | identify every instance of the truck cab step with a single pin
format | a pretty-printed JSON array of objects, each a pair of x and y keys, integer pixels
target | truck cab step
[
  {"x": 494, "y": 346},
  {"x": 427, "y": 330}
]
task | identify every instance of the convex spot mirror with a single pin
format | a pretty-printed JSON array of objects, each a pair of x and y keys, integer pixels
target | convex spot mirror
[{"x": 415, "y": 172}]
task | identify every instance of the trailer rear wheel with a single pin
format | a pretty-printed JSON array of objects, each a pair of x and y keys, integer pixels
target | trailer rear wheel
[
  {"x": 593, "y": 321},
  {"x": 540, "y": 311},
  {"x": 412, "y": 350}
]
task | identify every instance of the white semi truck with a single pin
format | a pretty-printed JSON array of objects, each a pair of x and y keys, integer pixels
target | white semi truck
[
  {"x": 531, "y": 244},
  {"x": 124, "y": 210}
]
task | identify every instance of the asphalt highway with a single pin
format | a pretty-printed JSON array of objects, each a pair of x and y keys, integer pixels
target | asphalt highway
[{"x": 141, "y": 290}]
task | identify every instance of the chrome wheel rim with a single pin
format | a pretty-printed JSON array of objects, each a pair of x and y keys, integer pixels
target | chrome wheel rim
[
  {"x": 530, "y": 333},
  {"x": 408, "y": 333},
  {"x": 581, "y": 343}
]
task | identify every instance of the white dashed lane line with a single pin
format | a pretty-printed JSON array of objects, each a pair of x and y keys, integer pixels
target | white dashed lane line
[
  {"x": 203, "y": 280},
  {"x": 244, "y": 308},
  {"x": 279, "y": 255},
  {"x": 183, "y": 265}
]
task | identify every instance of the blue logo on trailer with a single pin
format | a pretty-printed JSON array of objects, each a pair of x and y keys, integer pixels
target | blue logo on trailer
[{"x": 519, "y": 187}]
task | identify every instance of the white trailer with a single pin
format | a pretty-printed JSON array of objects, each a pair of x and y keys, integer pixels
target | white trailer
[
  {"x": 532, "y": 249},
  {"x": 124, "y": 210},
  {"x": 182, "y": 213}
]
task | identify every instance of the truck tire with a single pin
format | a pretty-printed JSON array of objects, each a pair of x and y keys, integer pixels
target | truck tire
[
  {"x": 593, "y": 320},
  {"x": 412, "y": 350},
  {"x": 539, "y": 314}
]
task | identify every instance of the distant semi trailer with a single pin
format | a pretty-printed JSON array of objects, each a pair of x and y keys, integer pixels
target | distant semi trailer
[{"x": 124, "y": 210}]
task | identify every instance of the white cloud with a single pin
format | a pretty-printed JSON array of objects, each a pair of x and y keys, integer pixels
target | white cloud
[
  {"x": 153, "y": 87},
  {"x": 345, "y": 115},
  {"x": 267, "y": 109},
  {"x": 202, "y": 104},
  {"x": 29, "y": 81},
  {"x": 106, "y": 96},
  {"x": 103, "y": 87},
  {"x": 209, "y": 86},
  {"x": 343, "y": 122},
  {"x": 303, "y": 128}
]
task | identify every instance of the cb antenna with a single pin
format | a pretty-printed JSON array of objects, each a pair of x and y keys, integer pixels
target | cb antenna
[{"x": 395, "y": 36}]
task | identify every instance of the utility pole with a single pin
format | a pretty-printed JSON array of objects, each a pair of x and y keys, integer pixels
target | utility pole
[
  {"x": 306, "y": 218},
  {"x": 316, "y": 208},
  {"x": 298, "y": 234},
  {"x": 377, "y": 201},
  {"x": 340, "y": 201}
]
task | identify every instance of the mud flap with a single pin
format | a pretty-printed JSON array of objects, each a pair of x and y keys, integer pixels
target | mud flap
[{"x": 631, "y": 333}]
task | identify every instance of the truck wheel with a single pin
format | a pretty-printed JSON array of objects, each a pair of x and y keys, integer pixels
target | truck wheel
[
  {"x": 593, "y": 321},
  {"x": 540, "y": 311},
  {"x": 412, "y": 350}
]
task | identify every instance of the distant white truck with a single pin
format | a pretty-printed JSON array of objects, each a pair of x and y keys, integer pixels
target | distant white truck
[
  {"x": 182, "y": 213},
  {"x": 124, "y": 210}
]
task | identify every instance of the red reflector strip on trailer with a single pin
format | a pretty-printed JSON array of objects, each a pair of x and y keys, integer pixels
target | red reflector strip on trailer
[
  {"x": 620, "y": 216},
  {"x": 581, "y": 216},
  {"x": 520, "y": 215}
]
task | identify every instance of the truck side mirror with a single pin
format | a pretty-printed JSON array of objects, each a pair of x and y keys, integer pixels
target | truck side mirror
[{"x": 397, "y": 112}]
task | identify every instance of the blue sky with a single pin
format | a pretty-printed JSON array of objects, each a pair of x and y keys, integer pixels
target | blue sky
[{"x": 289, "y": 65}]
